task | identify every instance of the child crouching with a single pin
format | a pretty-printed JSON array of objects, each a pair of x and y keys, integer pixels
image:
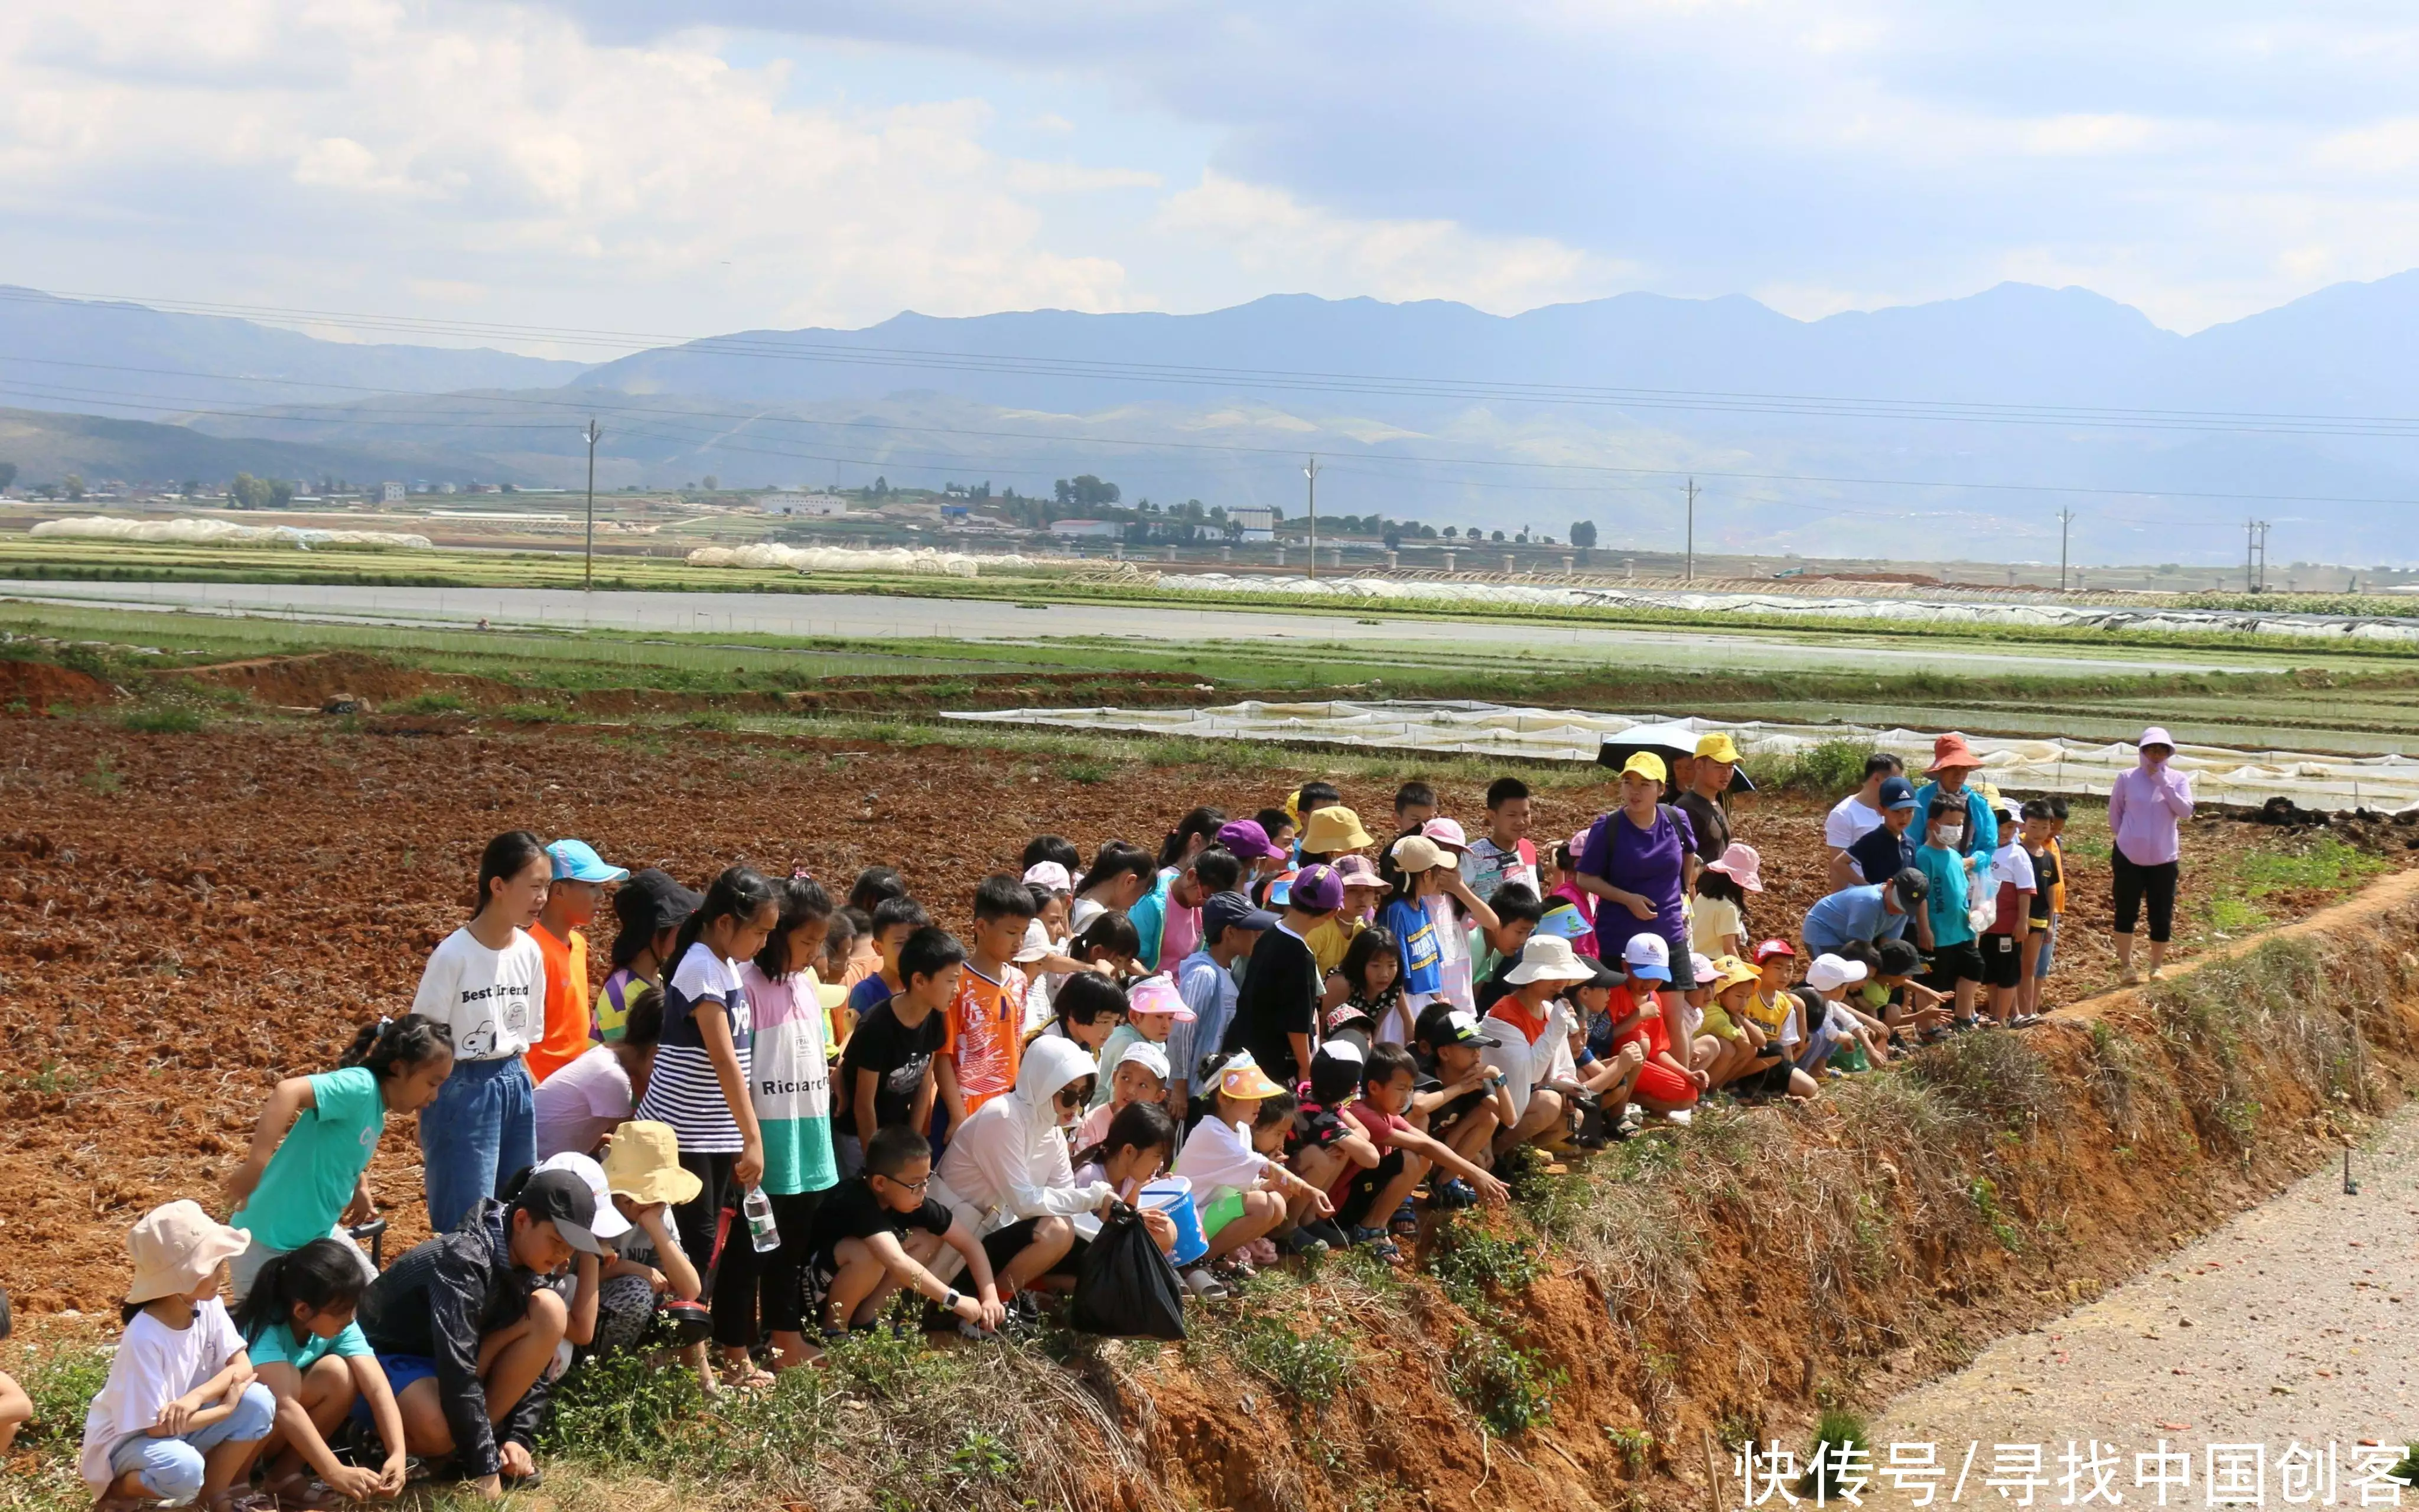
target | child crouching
[
  {"x": 298, "y": 1325},
  {"x": 182, "y": 1416}
]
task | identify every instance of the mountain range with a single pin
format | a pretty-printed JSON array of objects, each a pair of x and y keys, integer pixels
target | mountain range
[{"x": 1962, "y": 426}]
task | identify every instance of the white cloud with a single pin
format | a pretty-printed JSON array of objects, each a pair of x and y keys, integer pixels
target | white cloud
[
  {"x": 498, "y": 144},
  {"x": 1302, "y": 248},
  {"x": 1074, "y": 178}
]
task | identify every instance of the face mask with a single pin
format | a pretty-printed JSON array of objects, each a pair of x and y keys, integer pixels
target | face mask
[{"x": 1951, "y": 834}]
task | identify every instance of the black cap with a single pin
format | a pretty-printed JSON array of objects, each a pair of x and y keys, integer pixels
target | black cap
[
  {"x": 1223, "y": 911},
  {"x": 1442, "y": 1024},
  {"x": 1910, "y": 886},
  {"x": 652, "y": 900},
  {"x": 563, "y": 1200}
]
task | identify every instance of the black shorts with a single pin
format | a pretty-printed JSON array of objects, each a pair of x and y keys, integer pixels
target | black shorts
[
  {"x": 2003, "y": 961},
  {"x": 1004, "y": 1245},
  {"x": 1758, "y": 1086},
  {"x": 1353, "y": 1212},
  {"x": 1952, "y": 964}
]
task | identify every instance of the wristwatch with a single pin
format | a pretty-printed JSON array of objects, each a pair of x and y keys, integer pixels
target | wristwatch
[{"x": 949, "y": 1303}]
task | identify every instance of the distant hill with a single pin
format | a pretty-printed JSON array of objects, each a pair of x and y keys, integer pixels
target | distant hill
[
  {"x": 1957, "y": 428},
  {"x": 58, "y": 353},
  {"x": 47, "y": 447}
]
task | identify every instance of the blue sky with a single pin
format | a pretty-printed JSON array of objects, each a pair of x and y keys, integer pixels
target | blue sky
[{"x": 726, "y": 164}]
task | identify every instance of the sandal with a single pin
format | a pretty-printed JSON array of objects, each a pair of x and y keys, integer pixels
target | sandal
[
  {"x": 232, "y": 1499},
  {"x": 301, "y": 1493},
  {"x": 745, "y": 1375},
  {"x": 1202, "y": 1285},
  {"x": 1375, "y": 1242},
  {"x": 1404, "y": 1223}
]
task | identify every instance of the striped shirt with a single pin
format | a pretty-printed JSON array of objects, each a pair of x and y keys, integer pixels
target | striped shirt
[{"x": 684, "y": 1090}]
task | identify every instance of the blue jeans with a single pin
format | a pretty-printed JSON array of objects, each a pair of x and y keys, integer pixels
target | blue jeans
[
  {"x": 171, "y": 1469},
  {"x": 481, "y": 1128}
]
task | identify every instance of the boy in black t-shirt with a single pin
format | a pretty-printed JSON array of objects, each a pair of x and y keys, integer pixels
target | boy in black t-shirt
[
  {"x": 875, "y": 1232},
  {"x": 888, "y": 1067}
]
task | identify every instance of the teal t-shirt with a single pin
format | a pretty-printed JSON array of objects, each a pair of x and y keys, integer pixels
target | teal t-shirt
[
  {"x": 1148, "y": 917},
  {"x": 311, "y": 1178},
  {"x": 1944, "y": 896},
  {"x": 277, "y": 1342}
]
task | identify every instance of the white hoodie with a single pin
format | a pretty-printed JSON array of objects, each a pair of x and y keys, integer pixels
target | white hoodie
[{"x": 1009, "y": 1161}]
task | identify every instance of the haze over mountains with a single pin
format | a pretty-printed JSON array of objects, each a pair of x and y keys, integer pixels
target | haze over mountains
[{"x": 1954, "y": 423}]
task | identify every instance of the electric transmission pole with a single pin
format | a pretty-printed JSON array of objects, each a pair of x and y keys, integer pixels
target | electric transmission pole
[
  {"x": 2065, "y": 527},
  {"x": 1310, "y": 471},
  {"x": 594, "y": 434},
  {"x": 1690, "y": 574}
]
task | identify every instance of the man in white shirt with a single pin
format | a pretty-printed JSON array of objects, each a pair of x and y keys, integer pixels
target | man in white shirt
[{"x": 1860, "y": 811}]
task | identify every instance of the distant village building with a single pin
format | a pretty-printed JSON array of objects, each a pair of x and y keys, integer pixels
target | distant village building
[
  {"x": 1256, "y": 524},
  {"x": 390, "y": 493},
  {"x": 1080, "y": 528},
  {"x": 825, "y": 505}
]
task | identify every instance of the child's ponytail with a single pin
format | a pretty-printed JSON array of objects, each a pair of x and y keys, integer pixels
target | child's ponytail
[
  {"x": 1138, "y": 1125},
  {"x": 390, "y": 1047}
]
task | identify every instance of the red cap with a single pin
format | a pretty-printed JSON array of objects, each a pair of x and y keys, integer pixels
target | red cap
[{"x": 1772, "y": 947}]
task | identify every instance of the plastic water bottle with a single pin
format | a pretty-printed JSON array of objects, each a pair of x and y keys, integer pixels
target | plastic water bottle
[{"x": 762, "y": 1231}]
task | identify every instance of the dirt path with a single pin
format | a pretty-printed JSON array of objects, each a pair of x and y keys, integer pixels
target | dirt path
[{"x": 2297, "y": 1322}]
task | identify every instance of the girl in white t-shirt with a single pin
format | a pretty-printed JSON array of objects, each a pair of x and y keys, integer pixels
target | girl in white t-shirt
[
  {"x": 181, "y": 1418},
  {"x": 487, "y": 983}
]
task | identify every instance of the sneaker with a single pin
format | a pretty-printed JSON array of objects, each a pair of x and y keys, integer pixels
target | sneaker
[
  {"x": 1326, "y": 1231},
  {"x": 1681, "y": 1117},
  {"x": 1300, "y": 1240},
  {"x": 1454, "y": 1195},
  {"x": 2128, "y": 976}
]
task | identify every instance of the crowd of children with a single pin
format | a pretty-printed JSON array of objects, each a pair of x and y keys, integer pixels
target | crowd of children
[{"x": 1271, "y": 1037}]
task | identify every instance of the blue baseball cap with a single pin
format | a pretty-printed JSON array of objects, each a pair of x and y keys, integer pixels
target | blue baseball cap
[
  {"x": 576, "y": 860},
  {"x": 1897, "y": 793}
]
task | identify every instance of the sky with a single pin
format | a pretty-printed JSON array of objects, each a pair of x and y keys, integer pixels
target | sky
[{"x": 676, "y": 170}]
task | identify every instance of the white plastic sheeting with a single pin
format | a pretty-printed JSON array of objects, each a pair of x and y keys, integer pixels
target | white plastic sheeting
[
  {"x": 924, "y": 561},
  {"x": 2220, "y": 774},
  {"x": 1943, "y": 610},
  {"x": 190, "y": 531}
]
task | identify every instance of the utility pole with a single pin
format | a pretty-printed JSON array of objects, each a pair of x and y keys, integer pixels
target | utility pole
[
  {"x": 1310, "y": 470},
  {"x": 594, "y": 434},
  {"x": 2255, "y": 556},
  {"x": 1691, "y": 572},
  {"x": 2065, "y": 527}
]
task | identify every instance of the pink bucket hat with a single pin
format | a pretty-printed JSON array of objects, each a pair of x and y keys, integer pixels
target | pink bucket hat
[{"x": 1741, "y": 864}]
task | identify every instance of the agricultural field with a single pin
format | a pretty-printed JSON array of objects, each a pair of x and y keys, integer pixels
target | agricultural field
[{"x": 206, "y": 882}]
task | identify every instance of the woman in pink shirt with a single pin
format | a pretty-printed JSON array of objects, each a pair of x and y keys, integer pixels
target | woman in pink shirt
[{"x": 2144, "y": 806}]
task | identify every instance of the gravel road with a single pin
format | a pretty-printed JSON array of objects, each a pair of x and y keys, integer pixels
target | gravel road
[{"x": 2298, "y": 1321}]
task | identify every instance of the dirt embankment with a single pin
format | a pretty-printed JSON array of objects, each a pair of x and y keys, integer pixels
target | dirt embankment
[
  {"x": 36, "y": 688},
  {"x": 186, "y": 918},
  {"x": 312, "y": 681}
]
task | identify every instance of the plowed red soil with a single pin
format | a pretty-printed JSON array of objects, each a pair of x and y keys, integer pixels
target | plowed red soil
[
  {"x": 32, "y": 688},
  {"x": 186, "y": 918}
]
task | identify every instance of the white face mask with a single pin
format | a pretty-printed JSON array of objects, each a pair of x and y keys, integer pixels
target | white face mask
[{"x": 1951, "y": 835}]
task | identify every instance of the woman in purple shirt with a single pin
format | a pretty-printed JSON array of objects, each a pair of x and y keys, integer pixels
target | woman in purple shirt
[
  {"x": 1641, "y": 860},
  {"x": 2145, "y": 806}
]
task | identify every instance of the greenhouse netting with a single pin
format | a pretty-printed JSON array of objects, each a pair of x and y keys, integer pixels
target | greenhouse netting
[{"x": 2220, "y": 774}]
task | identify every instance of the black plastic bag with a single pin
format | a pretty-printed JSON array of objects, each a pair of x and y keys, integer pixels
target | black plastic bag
[{"x": 1125, "y": 1287}]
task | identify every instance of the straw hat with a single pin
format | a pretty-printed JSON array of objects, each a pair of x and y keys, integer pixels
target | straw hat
[{"x": 178, "y": 1247}]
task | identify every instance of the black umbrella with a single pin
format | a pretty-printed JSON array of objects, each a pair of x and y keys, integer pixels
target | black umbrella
[{"x": 1672, "y": 742}]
